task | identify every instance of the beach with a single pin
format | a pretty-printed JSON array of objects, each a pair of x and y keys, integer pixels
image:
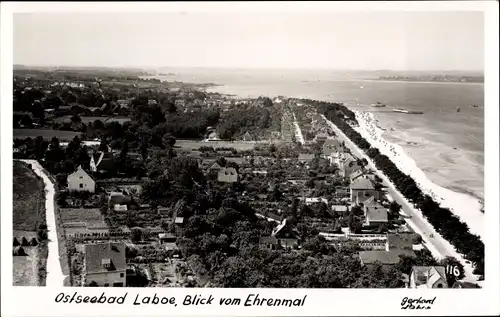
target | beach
[{"x": 466, "y": 207}]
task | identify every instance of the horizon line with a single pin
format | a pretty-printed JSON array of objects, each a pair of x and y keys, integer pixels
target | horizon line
[{"x": 145, "y": 68}]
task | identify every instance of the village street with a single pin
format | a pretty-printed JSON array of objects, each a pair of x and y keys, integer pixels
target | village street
[{"x": 437, "y": 245}]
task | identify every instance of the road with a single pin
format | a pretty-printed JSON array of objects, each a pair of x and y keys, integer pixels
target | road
[
  {"x": 55, "y": 276},
  {"x": 437, "y": 245},
  {"x": 298, "y": 132}
]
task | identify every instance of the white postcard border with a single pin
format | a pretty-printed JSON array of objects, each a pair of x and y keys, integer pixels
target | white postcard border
[{"x": 32, "y": 301}]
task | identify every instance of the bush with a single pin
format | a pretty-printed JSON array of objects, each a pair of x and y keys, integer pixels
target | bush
[
  {"x": 33, "y": 242},
  {"x": 16, "y": 243},
  {"x": 24, "y": 242},
  {"x": 19, "y": 251}
]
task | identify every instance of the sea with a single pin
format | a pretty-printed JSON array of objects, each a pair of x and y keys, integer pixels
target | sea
[{"x": 446, "y": 142}]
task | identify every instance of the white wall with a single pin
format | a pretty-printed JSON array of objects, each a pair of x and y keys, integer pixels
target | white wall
[
  {"x": 106, "y": 277},
  {"x": 80, "y": 177}
]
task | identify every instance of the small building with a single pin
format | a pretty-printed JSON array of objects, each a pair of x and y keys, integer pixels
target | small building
[
  {"x": 80, "y": 181},
  {"x": 320, "y": 137},
  {"x": 102, "y": 162},
  {"x": 361, "y": 190},
  {"x": 399, "y": 241},
  {"x": 166, "y": 238},
  {"x": 248, "y": 137},
  {"x": 285, "y": 235},
  {"x": 268, "y": 242},
  {"x": 119, "y": 207},
  {"x": 375, "y": 213},
  {"x": 356, "y": 174},
  {"x": 227, "y": 175},
  {"x": 105, "y": 265},
  {"x": 179, "y": 223},
  {"x": 428, "y": 277},
  {"x": 306, "y": 158},
  {"x": 331, "y": 146},
  {"x": 117, "y": 198}
]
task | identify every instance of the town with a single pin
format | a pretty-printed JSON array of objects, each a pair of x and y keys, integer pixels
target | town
[{"x": 163, "y": 184}]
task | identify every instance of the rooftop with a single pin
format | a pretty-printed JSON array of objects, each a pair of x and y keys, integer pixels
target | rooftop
[
  {"x": 98, "y": 253},
  {"x": 362, "y": 183},
  {"x": 384, "y": 257}
]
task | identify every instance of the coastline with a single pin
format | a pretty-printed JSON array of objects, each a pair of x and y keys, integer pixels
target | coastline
[
  {"x": 422, "y": 82},
  {"x": 464, "y": 206}
]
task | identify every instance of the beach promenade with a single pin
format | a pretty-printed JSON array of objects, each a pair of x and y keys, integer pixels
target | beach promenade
[{"x": 437, "y": 245}]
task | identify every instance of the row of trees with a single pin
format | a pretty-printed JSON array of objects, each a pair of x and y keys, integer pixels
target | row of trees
[{"x": 443, "y": 220}]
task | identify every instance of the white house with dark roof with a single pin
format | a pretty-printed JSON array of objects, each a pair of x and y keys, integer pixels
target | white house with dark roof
[
  {"x": 428, "y": 277},
  {"x": 247, "y": 137},
  {"x": 80, "y": 181},
  {"x": 362, "y": 189},
  {"x": 375, "y": 213},
  {"x": 105, "y": 264}
]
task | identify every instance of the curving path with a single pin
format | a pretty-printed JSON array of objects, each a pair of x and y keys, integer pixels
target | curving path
[{"x": 55, "y": 276}]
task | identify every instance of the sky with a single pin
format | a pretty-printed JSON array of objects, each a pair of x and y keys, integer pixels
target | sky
[{"x": 332, "y": 40}]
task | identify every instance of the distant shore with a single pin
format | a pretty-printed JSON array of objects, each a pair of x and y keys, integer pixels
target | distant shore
[{"x": 424, "y": 82}]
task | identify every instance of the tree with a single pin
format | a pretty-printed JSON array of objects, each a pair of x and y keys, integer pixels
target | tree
[
  {"x": 394, "y": 207},
  {"x": 454, "y": 270},
  {"x": 136, "y": 235},
  {"x": 16, "y": 243},
  {"x": 93, "y": 284}
]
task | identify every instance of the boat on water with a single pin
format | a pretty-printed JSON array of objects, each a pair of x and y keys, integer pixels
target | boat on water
[
  {"x": 458, "y": 109},
  {"x": 474, "y": 106},
  {"x": 407, "y": 111},
  {"x": 378, "y": 105}
]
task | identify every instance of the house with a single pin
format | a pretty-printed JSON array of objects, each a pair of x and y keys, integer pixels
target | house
[
  {"x": 117, "y": 198},
  {"x": 306, "y": 158},
  {"x": 385, "y": 258},
  {"x": 105, "y": 264},
  {"x": 285, "y": 235},
  {"x": 356, "y": 174},
  {"x": 348, "y": 166},
  {"x": 331, "y": 146},
  {"x": 320, "y": 137},
  {"x": 80, "y": 181},
  {"x": 375, "y": 213},
  {"x": 215, "y": 168},
  {"x": 247, "y": 137},
  {"x": 179, "y": 223},
  {"x": 399, "y": 241},
  {"x": 428, "y": 277},
  {"x": 268, "y": 242},
  {"x": 101, "y": 162},
  {"x": 227, "y": 175},
  {"x": 362, "y": 189},
  {"x": 166, "y": 238}
]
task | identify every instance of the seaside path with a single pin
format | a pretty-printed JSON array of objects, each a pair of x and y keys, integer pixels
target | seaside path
[
  {"x": 55, "y": 276},
  {"x": 437, "y": 245}
]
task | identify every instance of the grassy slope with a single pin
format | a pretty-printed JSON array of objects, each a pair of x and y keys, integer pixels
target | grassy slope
[{"x": 28, "y": 214}]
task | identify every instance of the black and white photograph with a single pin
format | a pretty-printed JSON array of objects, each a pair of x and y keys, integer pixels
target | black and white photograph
[{"x": 249, "y": 150}]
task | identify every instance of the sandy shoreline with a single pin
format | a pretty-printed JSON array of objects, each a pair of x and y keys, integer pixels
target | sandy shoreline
[{"x": 466, "y": 207}]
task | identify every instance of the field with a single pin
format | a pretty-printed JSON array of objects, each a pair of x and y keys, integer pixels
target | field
[
  {"x": 28, "y": 198},
  {"x": 120, "y": 120},
  {"x": 92, "y": 217},
  {"x": 28, "y": 214},
  {"x": 47, "y": 134},
  {"x": 195, "y": 145},
  {"x": 25, "y": 268}
]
